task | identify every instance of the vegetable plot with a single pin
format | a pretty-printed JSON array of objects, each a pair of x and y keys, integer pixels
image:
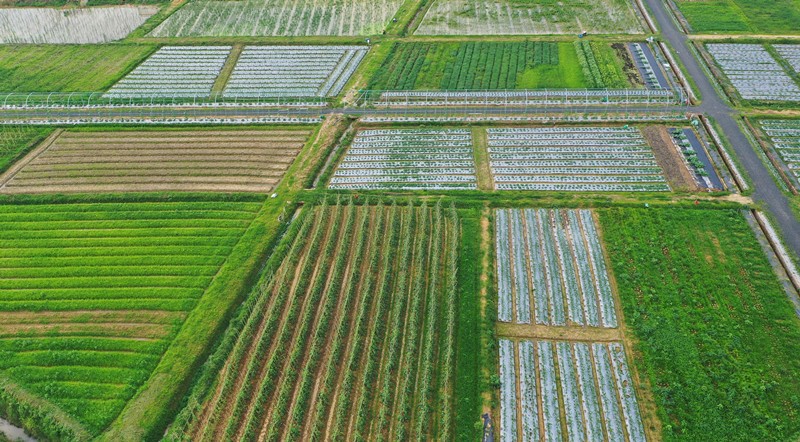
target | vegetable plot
[
  {"x": 408, "y": 159},
  {"x": 214, "y": 18},
  {"x": 473, "y": 17},
  {"x": 785, "y": 138},
  {"x": 790, "y": 53},
  {"x": 754, "y": 72},
  {"x": 60, "y": 26},
  {"x": 293, "y": 71},
  {"x": 160, "y": 161},
  {"x": 174, "y": 71},
  {"x": 92, "y": 294},
  {"x": 552, "y": 260},
  {"x": 349, "y": 336},
  {"x": 573, "y": 159},
  {"x": 586, "y": 387}
]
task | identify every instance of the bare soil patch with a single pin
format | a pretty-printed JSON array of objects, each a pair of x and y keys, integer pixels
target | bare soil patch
[
  {"x": 159, "y": 160},
  {"x": 670, "y": 160}
]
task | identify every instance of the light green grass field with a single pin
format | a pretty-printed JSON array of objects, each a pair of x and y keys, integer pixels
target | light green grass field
[
  {"x": 66, "y": 68},
  {"x": 742, "y": 16}
]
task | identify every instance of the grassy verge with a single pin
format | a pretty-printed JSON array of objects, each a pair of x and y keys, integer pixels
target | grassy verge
[{"x": 719, "y": 339}]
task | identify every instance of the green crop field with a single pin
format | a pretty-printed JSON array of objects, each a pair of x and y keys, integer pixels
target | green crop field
[
  {"x": 501, "y": 65},
  {"x": 741, "y": 16},
  {"x": 91, "y": 294},
  {"x": 360, "y": 301},
  {"x": 66, "y": 68},
  {"x": 719, "y": 339},
  {"x": 15, "y": 141}
]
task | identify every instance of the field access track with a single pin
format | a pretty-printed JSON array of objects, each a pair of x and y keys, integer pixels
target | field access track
[
  {"x": 158, "y": 160},
  {"x": 92, "y": 294},
  {"x": 350, "y": 336}
]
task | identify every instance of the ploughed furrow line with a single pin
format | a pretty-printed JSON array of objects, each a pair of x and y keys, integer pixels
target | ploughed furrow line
[
  {"x": 552, "y": 258},
  {"x": 159, "y": 160},
  {"x": 564, "y": 390},
  {"x": 85, "y": 322},
  {"x": 345, "y": 337}
]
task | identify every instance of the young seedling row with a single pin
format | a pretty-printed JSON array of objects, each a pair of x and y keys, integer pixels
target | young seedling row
[{"x": 566, "y": 391}]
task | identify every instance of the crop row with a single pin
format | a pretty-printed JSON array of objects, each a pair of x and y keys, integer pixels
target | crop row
[
  {"x": 587, "y": 159},
  {"x": 187, "y": 71},
  {"x": 408, "y": 159},
  {"x": 278, "y": 18},
  {"x": 552, "y": 260},
  {"x": 785, "y": 138},
  {"x": 79, "y": 25},
  {"x": 754, "y": 72},
  {"x": 586, "y": 387},
  {"x": 600, "y": 71},
  {"x": 284, "y": 71},
  {"x": 123, "y": 276},
  {"x": 327, "y": 347}
]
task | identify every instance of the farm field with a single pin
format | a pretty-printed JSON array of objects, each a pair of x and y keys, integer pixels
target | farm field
[
  {"x": 713, "y": 323},
  {"x": 15, "y": 141},
  {"x": 551, "y": 269},
  {"x": 741, "y": 16},
  {"x": 755, "y": 73},
  {"x": 93, "y": 293},
  {"x": 574, "y": 159},
  {"x": 214, "y": 18},
  {"x": 504, "y": 17},
  {"x": 408, "y": 159},
  {"x": 350, "y": 334},
  {"x": 301, "y": 71},
  {"x": 174, "y": 71},
  {"x": 501, "y": 65},
  {"x": 82, "y": 25},
  {"x": 66, "y": 68},
  {"x": 203, "y": 160},
  {"x": 784, "y": 138},
  {"x": 584, "y": 386}
]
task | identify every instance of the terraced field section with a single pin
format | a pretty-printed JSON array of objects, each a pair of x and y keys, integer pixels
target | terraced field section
[
  {"x": 157, "y": 160},
  {"x": 500, "y": 65},
  {"x": 712, "y": 322},
  {"x": 560, "y": 390},
  {"x": 66, "y": 68},
  {"x": 755, "y": 73},
  {"x": 350, "y": 335},
  {"x": 741, "y": 16},
  {"x": 80, "y": 25},
  {"x": 551, "y": 269},
  {"x": 293, "y": 71},
  {"x": 504, "y": 17},
  {"x": 594, "y": 159},
  {"x": 408, "y": 159},
  {"x": 262, "y": 18},
  {"x": 92, "y": 294}
]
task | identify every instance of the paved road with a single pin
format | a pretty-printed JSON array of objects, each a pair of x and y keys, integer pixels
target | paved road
[{"x": 766, "y": 191}]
